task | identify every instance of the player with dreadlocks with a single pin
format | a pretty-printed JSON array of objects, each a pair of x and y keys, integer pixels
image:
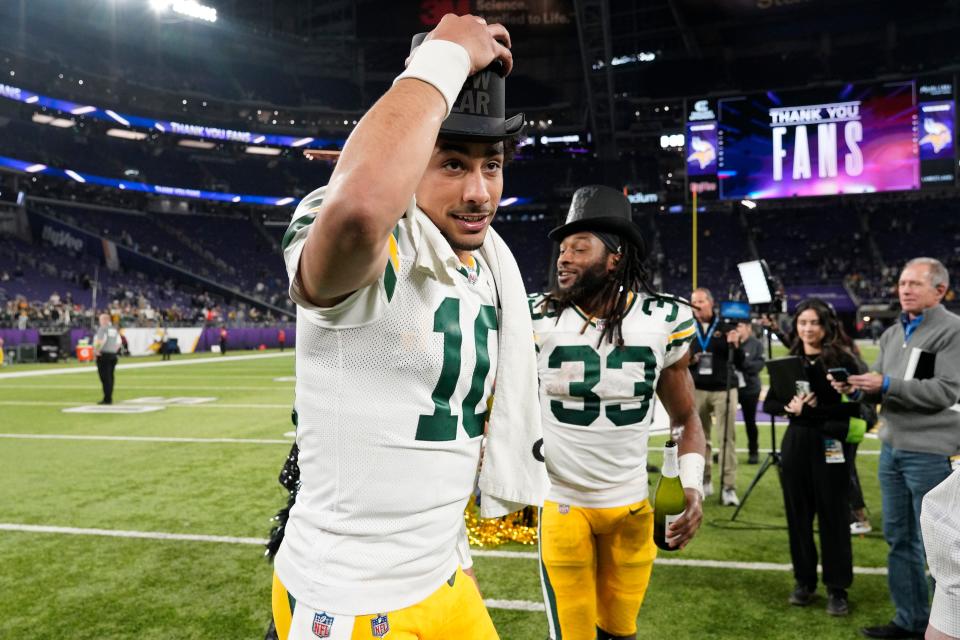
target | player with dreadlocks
[{"x": 607, "y": 342}]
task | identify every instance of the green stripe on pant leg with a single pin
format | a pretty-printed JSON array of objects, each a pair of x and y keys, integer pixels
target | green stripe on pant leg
[{"x": 551, "y": 598}]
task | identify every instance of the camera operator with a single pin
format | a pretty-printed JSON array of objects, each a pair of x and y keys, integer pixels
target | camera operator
[
  {"x": 712, "y": 351},
  {"x": 748, "y": 379}
]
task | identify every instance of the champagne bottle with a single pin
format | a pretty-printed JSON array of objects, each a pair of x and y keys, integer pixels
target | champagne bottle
[{"x": 669, "y": 499}]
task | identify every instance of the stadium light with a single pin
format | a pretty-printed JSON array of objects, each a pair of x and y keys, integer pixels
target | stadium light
[
  {"x": 749, "y": 204},
  {"x": 263, "y": 151},
  {"x": 126, "y": 134},
  {"x": 188, "y": 8},
  {"x": 196, "y": 144}
]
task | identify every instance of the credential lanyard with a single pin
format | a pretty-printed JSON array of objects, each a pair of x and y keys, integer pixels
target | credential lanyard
[{"x": 705, "y": 340}]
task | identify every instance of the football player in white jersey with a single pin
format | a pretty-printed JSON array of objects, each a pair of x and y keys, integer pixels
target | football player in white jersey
[
  {"x": 607, "y": 343},
  {"x": 397, "y": 336}
]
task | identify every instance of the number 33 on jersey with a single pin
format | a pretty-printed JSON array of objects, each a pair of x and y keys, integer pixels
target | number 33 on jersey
[{"x": 597, "y": 400}]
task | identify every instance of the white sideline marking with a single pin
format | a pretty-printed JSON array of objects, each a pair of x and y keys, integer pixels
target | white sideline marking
[
  {"x": 143, "y": 365},
  {"x": 116, "y": 409},
  {"x": 116, "y": 533},
  {"x": 481, "y": 553},
  {"x": 486, "y": 553},
  {"x": 514, "y": 605},
  {"x": 177, "y": 401},
  {"x": 57, "y": 436},
  {"x": 45, "y": 403},
  {"x": 147, "y": 387}
]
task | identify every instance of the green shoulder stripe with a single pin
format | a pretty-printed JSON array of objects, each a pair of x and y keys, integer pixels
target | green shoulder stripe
[
  {"x": 303, "y": 221},
  {"x": 683, "y": 325},
  {"x": 679, "y": 342}
]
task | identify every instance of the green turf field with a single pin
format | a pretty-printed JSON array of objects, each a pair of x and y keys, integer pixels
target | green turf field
[{"x": 220, "y": 480}]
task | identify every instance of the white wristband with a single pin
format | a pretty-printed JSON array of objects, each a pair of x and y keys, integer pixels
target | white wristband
[
  {"x": 691, "y": 471},
  {"x": 443, "y": 64}
]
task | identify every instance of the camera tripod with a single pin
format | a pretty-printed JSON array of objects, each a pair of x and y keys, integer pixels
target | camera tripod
[{"x": 773, "y": 457}]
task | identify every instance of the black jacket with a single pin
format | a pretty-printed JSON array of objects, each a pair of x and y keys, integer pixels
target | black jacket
[
  {"x": 753, "y": 362},
  {"x": 718, "y": 346},
  {"x": 831, "y": 415}
]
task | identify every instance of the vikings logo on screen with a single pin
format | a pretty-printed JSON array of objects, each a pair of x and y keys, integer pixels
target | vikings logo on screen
[{"x": 838, "y": 132}]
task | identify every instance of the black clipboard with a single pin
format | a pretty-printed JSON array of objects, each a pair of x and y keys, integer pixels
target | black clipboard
[{"x": 784, "y": 373}]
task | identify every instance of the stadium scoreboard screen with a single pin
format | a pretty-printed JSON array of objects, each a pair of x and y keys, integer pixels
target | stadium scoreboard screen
[{"x": 855, "y": 138}]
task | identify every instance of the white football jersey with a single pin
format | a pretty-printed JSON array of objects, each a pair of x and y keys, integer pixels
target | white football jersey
[
  {"x": 597, "y": 400},
  {"x": 392, "y": 389}
]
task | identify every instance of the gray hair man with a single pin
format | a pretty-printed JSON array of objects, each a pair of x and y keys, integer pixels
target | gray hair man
[{"x": 917, "y": 379}]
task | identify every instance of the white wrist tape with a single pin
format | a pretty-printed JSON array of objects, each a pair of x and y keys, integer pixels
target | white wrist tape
[
  {"x": 443, "y": 64},
  {"x": 691, "y": 471}
]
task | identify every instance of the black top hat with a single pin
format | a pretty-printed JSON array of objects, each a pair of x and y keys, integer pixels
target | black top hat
[
  {"x": 479, "y": 111},
  {"x": 599, "y": 208}
]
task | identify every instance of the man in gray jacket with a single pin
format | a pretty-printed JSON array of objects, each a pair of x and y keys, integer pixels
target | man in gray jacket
[{"x": 917, "y": 380}]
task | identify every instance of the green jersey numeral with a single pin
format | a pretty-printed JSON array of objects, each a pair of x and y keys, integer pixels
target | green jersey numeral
[
  {"x": 442, "y": 424},
  {"x": 578, "y": 389},
  {"x": 583, "y": 389}
]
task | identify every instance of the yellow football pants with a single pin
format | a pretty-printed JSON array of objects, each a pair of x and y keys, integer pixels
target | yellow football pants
[
  {"x": 455, "y": 610},
  {"x": 595, "y": 566}
]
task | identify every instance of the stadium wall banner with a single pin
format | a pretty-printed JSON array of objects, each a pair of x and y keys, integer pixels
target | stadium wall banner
[
  {"x": 64, "y": 236},
  {"x": 834, "y": 294},
  {"x": 146, "y": 341},
  {"x": 248, "y": 337},
  {"x": 143, "y": 340},
  {"x": 14, "y": 337}
]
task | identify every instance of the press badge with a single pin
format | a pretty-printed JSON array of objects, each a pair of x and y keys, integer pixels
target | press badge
[
  {"x": 833, "y": 451},
  {"x": 955, "y": 462},
  {"x": 705, "y": 364}
]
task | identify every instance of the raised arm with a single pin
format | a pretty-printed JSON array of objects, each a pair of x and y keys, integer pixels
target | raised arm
[
  {"x": 676, "y": 391},
  {"x": 385, "y": 157}
]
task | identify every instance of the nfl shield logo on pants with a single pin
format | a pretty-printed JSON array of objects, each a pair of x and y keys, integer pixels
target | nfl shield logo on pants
[
  {"x": 380, "y": 626},
  {"x": 322, "y": 625}
]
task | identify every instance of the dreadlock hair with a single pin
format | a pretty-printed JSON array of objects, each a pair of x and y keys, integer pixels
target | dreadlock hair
[{"x": 628, "y": 276}]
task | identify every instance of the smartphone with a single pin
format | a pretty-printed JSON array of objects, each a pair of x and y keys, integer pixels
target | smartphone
[
  {"x": 803, "y": 387},
  {"x": 839, "y": 374}
]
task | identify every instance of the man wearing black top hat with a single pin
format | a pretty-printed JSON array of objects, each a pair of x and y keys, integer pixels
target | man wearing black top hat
[
  {"x": 607, "y": 343},
  {"x": 408, "y": 308}
]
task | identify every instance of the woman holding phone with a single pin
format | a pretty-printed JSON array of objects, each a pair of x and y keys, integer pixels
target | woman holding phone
[{"x": 816, "y": 458}]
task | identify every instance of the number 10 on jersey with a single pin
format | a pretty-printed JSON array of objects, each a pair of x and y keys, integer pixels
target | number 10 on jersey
[{"x": 442, "y": 424}]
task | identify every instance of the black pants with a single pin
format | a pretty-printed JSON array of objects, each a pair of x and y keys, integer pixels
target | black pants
[
  {"x": 748, "y": 402},
  {"x": 223, "y": 346},
  {"x": 812, "y": 487},
  {"x": 106, "y": 363}
]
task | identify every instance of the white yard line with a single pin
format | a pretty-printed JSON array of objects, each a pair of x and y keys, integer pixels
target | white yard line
[
  {"x": 226, "y": 386},
  {"x": 118, "y": 533},
  {"x": 36, "y": 373},
  {"x": 45, "y": 403},
  {"x": 867, "y": 452},
  {"x": 514, "y": 605},
  {"x": 477, "y": 553},
  {"x": 57, "y": 436}
]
